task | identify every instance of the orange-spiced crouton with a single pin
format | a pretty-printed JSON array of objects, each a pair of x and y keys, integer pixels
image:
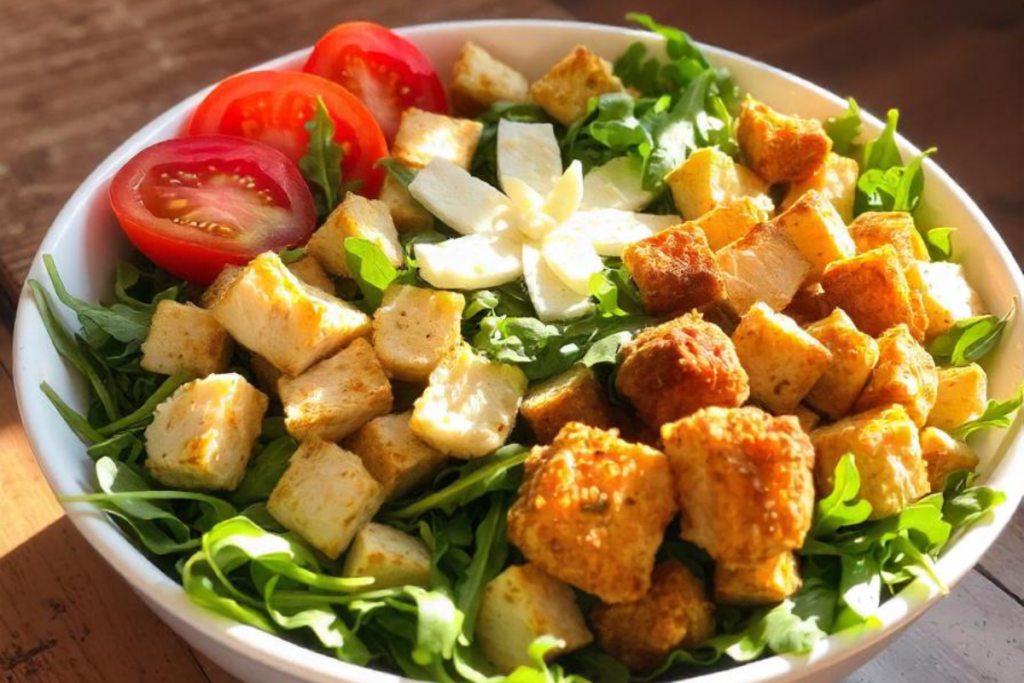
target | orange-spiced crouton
[
  {"x": 814, "y": 226},
  {"x": 905, "y": 374},
  {"x": 836, "y": 180},
  {"x": 675, "y": 270},
  {"x": 779, "y": 148},
  {"x": 764, "y": 265},
  {"x": 944, "y": 455},
  {"x": 896, "y": 228},
  {"x": 854, "y": 355},
  {"x": 757, "y": 583},
  {"x": 728, "y": 222},
  {"x": 710, "y": 178},
  {"x": 573, "y": 396}
]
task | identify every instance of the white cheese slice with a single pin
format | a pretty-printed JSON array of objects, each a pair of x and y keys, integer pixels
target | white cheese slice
[
  {"x": 531, "y": 220},
  {"x": 616, "y": 185},
  {"x": 529, "y": 152},
  {"x": 611, "y": 230},
  {"x": 471, "y": 262},
  {"x": 465, "y": 203},
  {"x": 551, "y": 298},
  {"x": 572, "y": 258},
  {"x": 566, "y": 195}
]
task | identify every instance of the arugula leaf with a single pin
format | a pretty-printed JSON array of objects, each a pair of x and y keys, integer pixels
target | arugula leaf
[
  {"x": 268, "y": 465},
  {"x": 940, "y": 244},
  {"x": 321, "y": 165},
  {"x": 841, "y": 507},
  {"x": 882, "y": 152},
  {"x": 403, "y": 174},
  {"x": 141, "y": 414},
  {"x": 885, "y": 184},
  {"x": 970, "y": 339},
  {"x": 998, "y": 414},
  {"x": 371, "y": 270},
  {"x": 963, "y": 503},
  {"x": 844, "y": 130},
  {"x": 289, "y": 256}
]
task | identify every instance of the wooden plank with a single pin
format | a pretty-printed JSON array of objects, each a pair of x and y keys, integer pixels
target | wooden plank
[{"x": 1003, "y": 561}]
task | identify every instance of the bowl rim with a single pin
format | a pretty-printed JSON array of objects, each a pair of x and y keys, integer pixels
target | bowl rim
[{"x": 292, "y": 660}]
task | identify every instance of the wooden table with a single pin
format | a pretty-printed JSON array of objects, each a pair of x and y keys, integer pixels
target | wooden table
[{"x": 78, "y": 76}]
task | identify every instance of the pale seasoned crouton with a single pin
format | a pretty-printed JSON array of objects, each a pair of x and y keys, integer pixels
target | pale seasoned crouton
[
  {"x": 292, "y": 325},
  {"x": 522, "y": 604},
  {"x": 886, "y": 450},
  {"x": 710, "y": 178},
  {"x": 469, "y": 405},
  {"x": 763, "y": 265},
  {"x": 564, "y": 91},
  {"x": 414, "y": 328},
  {"x": 202, "y": 436},
  {"x": 944, "y": 455},
  {"x": 573, "y": 396},
  {"x": 905, "y": 374},
  {"x": 212, "y": 294},
  {"x": 358, "y": 217},
  {"x": 874, "y": 229},
  {"x": 836, "y": 180},
  {"x": 854, "y": 355},
  {"x": 678, "y": 367},
  {"x": 961, "y": 396},
  {"x": 946, "y": 293},
  {"x": 185, "y": 338},
  {"x": 675, "y": 614},
  {"x": 809, "y": 304},
  {"x": 592, "y": 511},
  {"x": 728, "y": 222},
  {"x": 309, "y": 271},
  {"x": 675, "y": 270},
  {"x": 396, "y": 457},
  {"x": 779, "y": 148},
  {"x": 479, "y": 80},
  {"x": 814, "y": 226},
  {"x": 424, "y": 136},
  {"x": 782, "y": 361},
  {"x": 873, "y": 290},
  {"x": 407, "y": 214},
  {"x": 325, "y": 496},
  {"x": 743, "y": 481},
  {"x": 389, "y": 556},
  {"x": 759, "y": 583}
]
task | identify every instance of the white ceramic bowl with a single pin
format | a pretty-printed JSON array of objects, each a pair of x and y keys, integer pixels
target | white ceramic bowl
[{"x": 86, "y": 242}]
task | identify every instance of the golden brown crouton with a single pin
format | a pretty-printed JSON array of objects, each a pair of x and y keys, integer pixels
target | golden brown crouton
[
  {"x": 573, "y": 396},
  {"x": 809, "y": 304},
  {"x": 358, "y": 217},
  {"x": 896, "y": 228},
  {"x": 836, "y": 180},
  {"x": 674, "y": 270},
  {"x": 675, "y": 614},
  {"x": 414, "y": 328},
  {"x": 886, "y": 450},
  {"x": 678, "y": 367},
  {"x": 407, "y": 214},
  {"x": 396, "y": 457},
  {"x": 567, "y": 87},
  {"x": 946, "y": 294},
  {"x": 592, "y": 511},
  {"x": 710, "y": 178},
  {"x": 814, "y": 226},
  {"x": 854, "y": 355},
  {"x": 728, "y": 222},
  {"x": 185, "y": 338},
  {"x": 212, "y": 294},
  {"x": 392, "y": 558},
  {"x": 961, "y": 396},
  {"x": 944, "y": 455},
  {"x": 759, "y": 583},
  {"x": 424, "y": 136},
  {"x": 905, "y": 374},
  {"x": 779, "y": 148},
  {"x": 763, "y": 265},
  {"x": 479, "y": 80},
  {"x": 309, "y": 271},
  {"x": 743, "y": 481}
]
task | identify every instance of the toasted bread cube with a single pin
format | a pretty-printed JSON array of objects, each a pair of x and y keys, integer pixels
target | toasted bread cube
[
  {"x": 592, "y": 511},
  {"x": 573, "y": 396},
  {"x": 359, "y": 217},
  {"x": 479, "y": 80},
  {"x": 764, "y": 265},
  {"x": 675, "y": 270},
  {"x": 808, "y": 419},
  {"x": 710, "y": 178},
  {"x": 407, "y": 214},
  {"x": 946, "y": 293},
  {"x": 396, "y": 457},
  {"x": 267, "y": 376},
  {"x": 202, "y": 436},
  {"x": 424, "y": 136},
  {"x": 743, "y": 480},
  {"x": 814, "y": 226},
  {"x": 944, "y": 455},
  {"x": 759, "y": 583},
  {"x": 270, "y": 312},
  {"x": 874, "y": 229},
  {"x": 779, "y": 148},
  {"x": 564, "y": 91},
  {"x": 325, "y": 496},
  {"x": 854, "y": 355},
  {"x": 212, "y": 294},
  {"x": 728, "y": 222},
  {"x": 336, "y": 396},
  {"x": 389, "y": 556},
  {"x": 309, "y": 271},
  {"x": 469, "y": 405},
  {"x": 873, "y": 290},
  {"x": 414, "y": 328},
  {"x": 522, "y": 604},
  {"x": 887, "y": 452},
  {"x": 185, "y": 338},
  {"x": 836, "y": 180},
  {"x": 905, "y": 374},
  {"x": 675, "y": 614},
  {"x": 809, "y": 304},
  {"x": 671, "y": 370},
  {"x": 961, "y": 396}
]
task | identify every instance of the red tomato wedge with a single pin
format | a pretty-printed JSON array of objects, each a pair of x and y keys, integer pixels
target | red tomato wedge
[
  {"x": 273, "y": 108},
  {"x": 384, "y": 70},
  {"x": 194, "y": 205}
]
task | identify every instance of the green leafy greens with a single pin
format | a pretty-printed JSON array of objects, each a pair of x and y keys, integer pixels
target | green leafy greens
[
  {"x": 970, "y": 339},
  {"x": 321, "y": 165}
]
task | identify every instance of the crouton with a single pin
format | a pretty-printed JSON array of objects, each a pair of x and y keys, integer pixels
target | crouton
[
  {"x": 836, "y": 180},
  {"x": 359, "y": 217},
  {"x": 520, "y": 605},
  {"x": 292, "y": 325},
  {"x": 886, "y": 450},
  {"x": 309, "y": 271},
  {"x": 782, "y": 361},
  {"x": 336, "y": 396},
  {"x": 565, "y": 90},
  {"x": 469, "y": 405},
  {"x": 325, "y": 496},
  {"x": 202, "y": 436},
  {"x": 407, "y": 214},
  {"x": 414, "y": 328},
  {"x": 961, "y": 396},
  {"x": 873, "y": 290},
  {"x": 874, "y": 229},
  {"x": 389, "y": 556},
  {"x": 671, "y": 370},
  {"x": 479, "y": 80},
  {"x": 944, "y": 455},
  {"x": 592, "y": 511},
  {"x": 814, "y": 226},
  {"x": 807, "y": 418},
  {"x": 905, "y": 374},
  {"x": 763, "y": 265},
  {"x": 573, "y": 396},
  {"x": 779, "y": 148},
  {"x": 266, "y": 375},
  {"x": 675, "y": 270},
  {"x": 710, "y": 178},
  {"x": 397, "y": 458},
  {"x": 424, "y": 136},
  {"x": 675, "y": 614},
  {"x": 185, "y": 338},
  {"x": 212, "y": 294},
  {"x": 809, "y": 304},
  {"x": 854, "y": 355},
  {"x": 728, "y": 222},
  {"x": 946, "y": 294},
  {"x": 759, "y": 583}
]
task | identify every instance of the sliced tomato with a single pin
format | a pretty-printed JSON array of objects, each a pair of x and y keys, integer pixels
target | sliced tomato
[
  {"x": 384, "y": 70},
  {"x": 196, "y": 204},
  {"x": 273, "y": 108}
]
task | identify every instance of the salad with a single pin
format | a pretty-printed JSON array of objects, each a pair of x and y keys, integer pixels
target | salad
[{"x": 618, "y": 374}]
